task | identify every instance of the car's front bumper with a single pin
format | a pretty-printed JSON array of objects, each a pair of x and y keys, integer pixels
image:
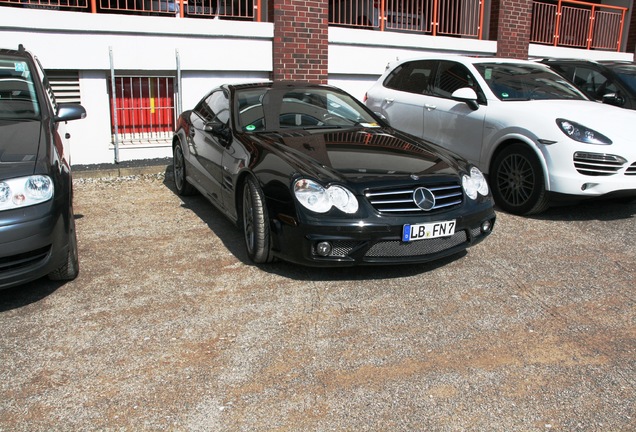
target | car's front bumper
[
  {"x": 373, "y": 242},
  {"x": 591, "y": 172},
  {"x": 33, "y": 243}
]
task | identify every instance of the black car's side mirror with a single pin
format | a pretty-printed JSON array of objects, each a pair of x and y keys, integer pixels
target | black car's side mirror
[
  {"x": 613, "y": 99},
  {"x": 466, "y": 95},
  {"x": 220, "y": 130}
]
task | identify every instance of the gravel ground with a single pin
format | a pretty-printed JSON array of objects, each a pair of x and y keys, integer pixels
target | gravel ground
[{"x": 169, "y": 327}]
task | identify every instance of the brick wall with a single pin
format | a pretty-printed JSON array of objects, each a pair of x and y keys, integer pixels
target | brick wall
[
  {"x": 300, "y": 40},
  {"x": 513, "y": 33}
]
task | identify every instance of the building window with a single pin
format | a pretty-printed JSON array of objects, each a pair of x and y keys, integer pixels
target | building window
[{"x": 144, "y": 108}]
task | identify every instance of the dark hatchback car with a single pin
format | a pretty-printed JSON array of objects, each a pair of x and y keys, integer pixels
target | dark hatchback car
[
  {"x": 610, "y": 82},
  {"x": 37, "y": 228},
  {"x": 311, "y": 176}
]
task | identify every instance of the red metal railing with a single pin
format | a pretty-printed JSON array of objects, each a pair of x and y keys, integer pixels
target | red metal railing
[
  {"x": 435, "y": 17},
  {"x": 578, "y": 24},
  {"x": 570, "y": 23},
  {"x": 237, "y": 9}
]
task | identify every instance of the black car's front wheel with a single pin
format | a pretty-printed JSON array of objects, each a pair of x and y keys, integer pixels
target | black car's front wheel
[
  {"x": 70, "y": 266},
  {"x": 256, "y": 223},
  {"x": 517, "y": 181},
  {"x": 179, "y": 172}
]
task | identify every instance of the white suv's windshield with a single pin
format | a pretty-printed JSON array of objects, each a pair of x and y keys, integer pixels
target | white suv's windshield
[
  {"x": 18, "y": 98},
  {"x": 515, "y": 82}
]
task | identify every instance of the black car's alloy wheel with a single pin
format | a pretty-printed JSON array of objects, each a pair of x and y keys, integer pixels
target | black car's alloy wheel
[
  {"x": 179, "y": 171},
  {"x": 256, "y": 223},
  {"x": 517, "y": 181}
]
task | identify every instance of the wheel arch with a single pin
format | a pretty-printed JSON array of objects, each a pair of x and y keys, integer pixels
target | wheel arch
[{"x": 520, "y": 139}]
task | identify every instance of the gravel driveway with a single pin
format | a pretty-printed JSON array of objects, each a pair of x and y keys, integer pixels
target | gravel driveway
[{"x": 168, "y": 327}]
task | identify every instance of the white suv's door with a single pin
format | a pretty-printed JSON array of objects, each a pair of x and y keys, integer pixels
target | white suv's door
[
  {"x": 401, "y": 97},
  {"x": 450, "y": 123}
]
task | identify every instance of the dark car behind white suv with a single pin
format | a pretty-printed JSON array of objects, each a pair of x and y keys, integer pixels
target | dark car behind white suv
[{"x": 37, "y": 228}]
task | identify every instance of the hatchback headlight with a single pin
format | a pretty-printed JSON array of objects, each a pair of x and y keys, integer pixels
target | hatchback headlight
[
  {"x": 475, "y": 184},
  {"x": 320, "y": 199},
  {"x": 25, "y": 191},
  {"x": 582, "y": 134}
]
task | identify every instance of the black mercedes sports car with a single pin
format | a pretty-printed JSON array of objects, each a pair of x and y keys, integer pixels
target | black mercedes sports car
[{"x": 311, "y": 176}]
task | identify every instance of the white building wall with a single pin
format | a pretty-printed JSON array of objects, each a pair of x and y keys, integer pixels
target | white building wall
[{"x": 210, "y": 52}]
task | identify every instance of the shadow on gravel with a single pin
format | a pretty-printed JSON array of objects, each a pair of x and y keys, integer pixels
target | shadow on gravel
[
  {"x": 232, "y": 238},
  {"x": 24, "y": 295},
  {"x": 594, "y": 210}
]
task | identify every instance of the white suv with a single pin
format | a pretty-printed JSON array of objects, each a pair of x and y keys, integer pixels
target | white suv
[{"x": 538, "y": 138}]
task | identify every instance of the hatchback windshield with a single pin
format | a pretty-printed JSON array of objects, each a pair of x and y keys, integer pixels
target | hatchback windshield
[
  {"x": 515, "y": 82},
  {"x": 270, "y": 109},
  {"x": 18, "y": 99}
]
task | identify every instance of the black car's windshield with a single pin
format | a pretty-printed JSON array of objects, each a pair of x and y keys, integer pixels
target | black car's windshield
[
  {"x": 516, "y": 81},
  {"x": 18, "y": 98},
  {"x": 271, "y": 109},
  {"x": 627, "y": 74}
]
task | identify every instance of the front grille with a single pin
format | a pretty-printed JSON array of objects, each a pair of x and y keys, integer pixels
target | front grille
[
  {"x": 631, "y": 170},
  {"x": 400, "y": 200},
  {"x": 23, "y": 260},
  {"x": 597, "y": 164},
  {"x": 396, "y": 248}
]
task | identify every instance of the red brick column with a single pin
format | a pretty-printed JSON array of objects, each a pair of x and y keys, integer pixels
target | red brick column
[
  {"x": 300, "y": 40},
  {"x": 513, "y": 33}
]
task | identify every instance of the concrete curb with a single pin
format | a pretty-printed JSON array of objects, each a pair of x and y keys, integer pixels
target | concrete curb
[{"x": 123, "y": 169}]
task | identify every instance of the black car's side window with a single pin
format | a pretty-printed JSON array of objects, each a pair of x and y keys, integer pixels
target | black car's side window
[
  {"x": 215, "y": 107},
  {"x": 412, "y": 77},
  {"x": 594, "y": 84},
  {"x": 452, "y": 76}
]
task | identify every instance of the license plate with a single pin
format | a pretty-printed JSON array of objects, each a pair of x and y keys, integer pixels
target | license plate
[{"x": 428, "y": 231}]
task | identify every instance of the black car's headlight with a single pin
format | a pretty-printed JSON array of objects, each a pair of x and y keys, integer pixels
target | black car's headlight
[
  {"x": 25, "y": 191},
  {"x": 320, "y": 199},
  {"x": 474, "y": 184},
  {"x": 581, "y": 133}
]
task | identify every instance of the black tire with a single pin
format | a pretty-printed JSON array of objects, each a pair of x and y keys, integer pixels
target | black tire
[
  {"x": 179, "y": 171},
  {"x": 517, "y": 181},
  {"x": 70, "y": 268},
  {"x": 255, "y": 223}
]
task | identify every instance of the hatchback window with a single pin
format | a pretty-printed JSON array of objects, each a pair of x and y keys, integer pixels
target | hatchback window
[
  {"x": 514, "y": 82},
  {"x": 627, "y": 74},
  {"x": 18, "y": 98}
]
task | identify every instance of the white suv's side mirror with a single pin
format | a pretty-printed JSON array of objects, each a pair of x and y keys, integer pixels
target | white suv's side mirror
[{"x": 467, "y": 95}]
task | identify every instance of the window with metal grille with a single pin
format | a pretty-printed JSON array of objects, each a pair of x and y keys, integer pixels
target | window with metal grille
[{"x": 142, "y": 110}]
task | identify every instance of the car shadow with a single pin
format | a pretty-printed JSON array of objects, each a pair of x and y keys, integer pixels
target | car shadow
[
  {"x": 598, "y": 210},
  {"x": 28, "y": 293},
  {"x": 232, "y": 239}
]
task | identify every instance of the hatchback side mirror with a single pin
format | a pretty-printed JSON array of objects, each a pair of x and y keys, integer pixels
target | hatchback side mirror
[
  {"x": 466, "y": 95},
  {"x": 68, "y": 111}
]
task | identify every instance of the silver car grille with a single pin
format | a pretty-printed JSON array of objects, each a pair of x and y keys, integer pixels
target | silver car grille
[
  {"x": 598, "y": 164},
  {"x": 631, "y": 170},
  {"x": 396, "y": 248},
  {"x": 400, "y": 200}
]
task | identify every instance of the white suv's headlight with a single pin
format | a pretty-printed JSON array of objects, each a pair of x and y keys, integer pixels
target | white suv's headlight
[
  {"x": 319, "y": 199},
  {"x": 582, "y": 134},
  {"x": 475, "y": 184},
  {"x": 25, "y": 191}
]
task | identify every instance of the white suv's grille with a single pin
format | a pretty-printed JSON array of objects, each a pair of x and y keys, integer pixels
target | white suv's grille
[{"x": 597, "y": 164}]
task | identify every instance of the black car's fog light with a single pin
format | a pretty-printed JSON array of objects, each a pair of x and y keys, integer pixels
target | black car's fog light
[
  {"x": 323, "y": 248},
  {"x": 486, "y": 226}
]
